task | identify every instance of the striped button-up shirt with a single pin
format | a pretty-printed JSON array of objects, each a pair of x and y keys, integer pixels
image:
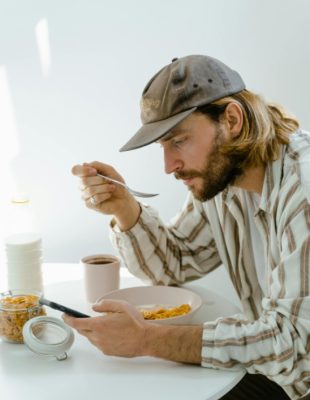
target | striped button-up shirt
[{"x": 272, "y": 336}]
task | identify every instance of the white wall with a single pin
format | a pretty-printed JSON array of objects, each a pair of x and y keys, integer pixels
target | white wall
[{"x": 102, "y": 54}]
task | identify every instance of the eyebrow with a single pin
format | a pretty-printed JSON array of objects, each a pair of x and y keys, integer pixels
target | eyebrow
[{"x": 173, "y": 133}]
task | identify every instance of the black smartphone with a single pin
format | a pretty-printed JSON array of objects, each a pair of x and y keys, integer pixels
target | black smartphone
[{"x": 60, "y": 307}]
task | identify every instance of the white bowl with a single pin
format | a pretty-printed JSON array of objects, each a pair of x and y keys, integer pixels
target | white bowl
[{"x": 148, "y": 297}]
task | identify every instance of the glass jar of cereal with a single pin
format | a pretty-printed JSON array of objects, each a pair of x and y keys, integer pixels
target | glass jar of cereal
[{"x": 16, "y": 308}]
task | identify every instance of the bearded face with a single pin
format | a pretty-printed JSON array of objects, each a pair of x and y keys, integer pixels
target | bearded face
[{"x": 219, "y": 171}]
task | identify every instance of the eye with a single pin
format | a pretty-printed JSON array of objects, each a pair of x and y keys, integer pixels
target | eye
[{"x": 178, "y": 142}]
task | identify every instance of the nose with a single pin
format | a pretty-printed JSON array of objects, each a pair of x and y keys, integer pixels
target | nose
[{"x": 172, "y": 163}]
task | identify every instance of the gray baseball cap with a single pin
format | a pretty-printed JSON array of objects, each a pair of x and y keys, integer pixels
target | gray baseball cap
[{"x": 177, "y": 90}]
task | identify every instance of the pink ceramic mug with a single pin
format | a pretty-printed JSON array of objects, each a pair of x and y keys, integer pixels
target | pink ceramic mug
[{"x": 101, "y": 275}]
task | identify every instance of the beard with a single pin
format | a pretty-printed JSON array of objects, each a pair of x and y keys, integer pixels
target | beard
[{"x": 219, "y": 171}]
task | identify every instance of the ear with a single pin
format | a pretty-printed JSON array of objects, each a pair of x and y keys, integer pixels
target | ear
[{"x": 234, "y": 119}]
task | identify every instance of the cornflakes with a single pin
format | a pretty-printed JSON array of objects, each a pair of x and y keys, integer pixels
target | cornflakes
[
  {"x": 162, "y": 313},
  {"x": 15, "y": 311}
]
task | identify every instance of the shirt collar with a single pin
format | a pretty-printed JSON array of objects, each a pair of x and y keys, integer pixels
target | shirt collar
[
  {"x": 272, "y": 182},
  {"x": 271, "y": 185}
]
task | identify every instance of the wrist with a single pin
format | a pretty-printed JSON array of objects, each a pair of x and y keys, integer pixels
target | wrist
[
  {"x": 127, "y": 217},
  {"x": 173, "y": 342},
  {"x": 151, "y": 337}
]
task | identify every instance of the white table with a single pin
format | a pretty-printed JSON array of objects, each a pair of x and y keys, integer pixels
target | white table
[{"x": 89, "y": 374}]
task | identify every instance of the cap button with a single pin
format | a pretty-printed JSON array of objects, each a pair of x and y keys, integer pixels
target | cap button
[{"x": 174, "y": 59}]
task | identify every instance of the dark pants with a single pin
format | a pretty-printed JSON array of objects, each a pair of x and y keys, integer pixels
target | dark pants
[{"x": 256, "y": 387}]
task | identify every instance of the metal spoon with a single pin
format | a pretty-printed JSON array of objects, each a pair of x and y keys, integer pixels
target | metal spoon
[{"x": 134, "y": 192}]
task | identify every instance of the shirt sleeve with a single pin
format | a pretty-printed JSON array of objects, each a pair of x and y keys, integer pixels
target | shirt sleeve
[
  {"x": 169, "y": 254},
  {"x": 277, "y": 344}
]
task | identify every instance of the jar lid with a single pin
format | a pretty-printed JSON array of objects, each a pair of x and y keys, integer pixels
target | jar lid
[{"x": 48, "y": 336}]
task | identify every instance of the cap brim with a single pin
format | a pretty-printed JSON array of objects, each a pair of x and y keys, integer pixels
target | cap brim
[{"x": 149, "y": 133}]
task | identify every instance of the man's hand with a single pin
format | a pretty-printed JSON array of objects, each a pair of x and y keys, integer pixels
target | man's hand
[
  {"x": 123, "y": 332},
  {"x": 103, "y": 196}
]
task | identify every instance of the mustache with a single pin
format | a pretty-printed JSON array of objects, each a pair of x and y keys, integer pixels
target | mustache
[{"x": 187, "y": 174}]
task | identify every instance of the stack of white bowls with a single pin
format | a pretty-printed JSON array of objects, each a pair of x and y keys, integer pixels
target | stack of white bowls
[{"x": 24, "y": 262}]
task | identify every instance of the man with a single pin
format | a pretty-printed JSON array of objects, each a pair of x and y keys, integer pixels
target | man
[{"x": 246, "y": 165}]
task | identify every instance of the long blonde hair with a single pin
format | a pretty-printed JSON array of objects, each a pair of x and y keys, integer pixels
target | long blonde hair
[{"x": 265, "y": 127}]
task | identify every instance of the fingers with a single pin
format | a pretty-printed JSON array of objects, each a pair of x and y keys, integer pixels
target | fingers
[
  {"x": 105, "y": 306},
  {"x": 110, "y": 306},
  {"x": 96, "y": 201},
  {"x": 89, "y": 178},
  {"x": 98, "y": 192},
  {"x": 102, "y": 168},
  {"x": 120, "y": 332},
  {"x": 80, "y": 324},
  {"x": 91, "y": 169},
  {"x": 83, "y": 170},
  {"x": 90, "y": 181},
  {"x": 94, "y": 189},
  {"x": 116, "y": 306},
  {"x": 94, "y": 167}
]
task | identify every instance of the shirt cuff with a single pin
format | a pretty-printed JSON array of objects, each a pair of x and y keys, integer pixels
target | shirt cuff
[
  {"x": 146, "y": 213},
  {"x": 208, "y": 334}
]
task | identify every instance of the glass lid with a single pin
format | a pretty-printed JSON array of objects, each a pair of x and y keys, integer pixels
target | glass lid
[{"x": 48, "y": 336}]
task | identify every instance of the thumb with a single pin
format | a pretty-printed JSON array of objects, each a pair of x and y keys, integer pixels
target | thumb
[
  {"x": 83, "y": 170},
  {"x": 107, "y": 306},
  {"x": 105, "y": 169}
]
